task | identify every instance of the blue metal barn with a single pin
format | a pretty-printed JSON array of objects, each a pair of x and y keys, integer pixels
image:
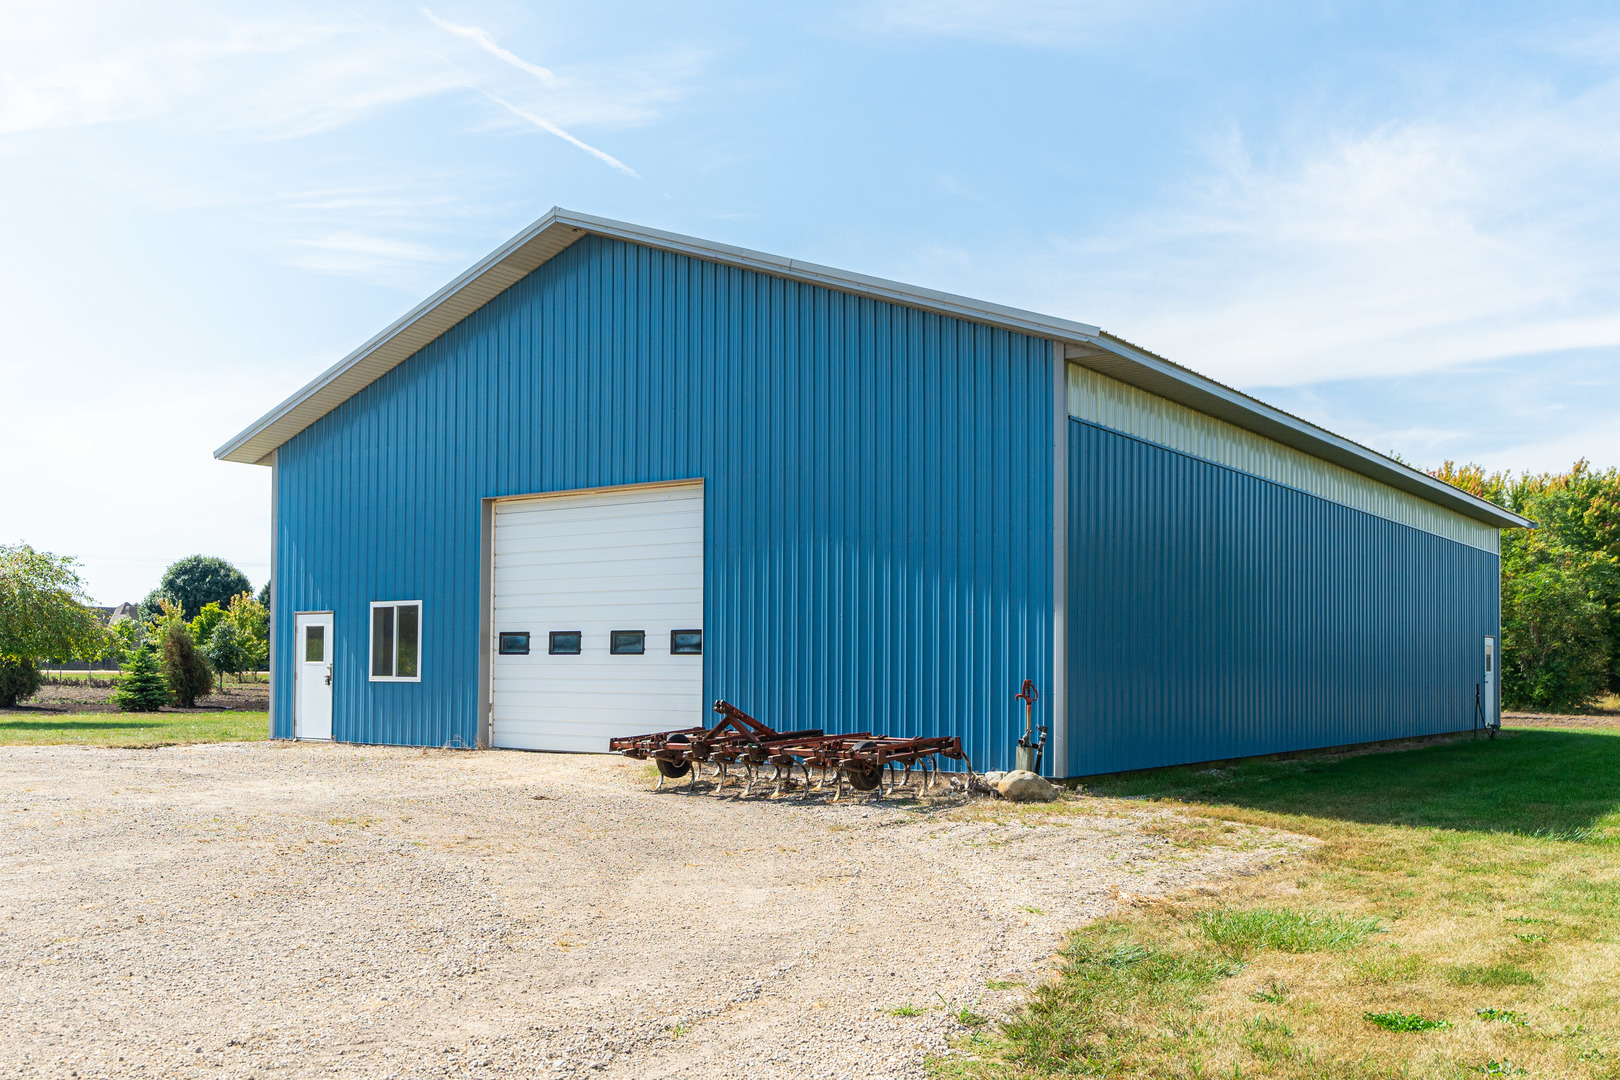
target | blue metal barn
[{"x": 611, "y": 474}]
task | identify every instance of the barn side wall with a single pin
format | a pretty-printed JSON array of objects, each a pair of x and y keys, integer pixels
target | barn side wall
[
  {"x": 1215, "y": 614},
  {"x": 877, "y": 479}
]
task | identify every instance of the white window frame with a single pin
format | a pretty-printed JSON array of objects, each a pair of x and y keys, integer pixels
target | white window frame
[{"x": 371, "y": 630}]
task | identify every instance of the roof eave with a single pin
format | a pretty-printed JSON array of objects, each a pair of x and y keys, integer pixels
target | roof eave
[
  {"x": 246, "y": 447},
  {"x": 557, "y": 229},
  {"x": 1119, "y": 359},
  {"x": 531, "y": 248}
]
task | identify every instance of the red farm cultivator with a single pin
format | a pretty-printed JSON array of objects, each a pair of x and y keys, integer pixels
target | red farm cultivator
[{"x": 738, "y": 741}]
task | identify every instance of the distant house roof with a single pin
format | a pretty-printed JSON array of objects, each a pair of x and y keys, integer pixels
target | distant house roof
[
  {"x": 1084, "y": 344},
  {"x": 124, "y": 610}
]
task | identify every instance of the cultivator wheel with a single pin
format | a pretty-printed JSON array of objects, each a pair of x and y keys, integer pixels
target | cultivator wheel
[{"x": 863, "y": 775}]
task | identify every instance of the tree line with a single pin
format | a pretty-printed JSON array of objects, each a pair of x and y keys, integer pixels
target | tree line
[
  {"x": 1560, "y": 582},
  {"x": 1560, "y": 605},
  {"x": 201, "y": 622}
]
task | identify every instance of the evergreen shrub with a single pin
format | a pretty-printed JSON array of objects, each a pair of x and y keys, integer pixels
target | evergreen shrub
[
  {"x": 141, "y": 688},
  {"x": 187, "y": 672},
  {"x": 18, "y": 681}
]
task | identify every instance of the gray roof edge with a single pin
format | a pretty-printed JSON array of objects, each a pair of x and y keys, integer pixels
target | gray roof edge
[
  {"x": 387, "y": 334},
  {"x": 1011, "y": 318},
  {"x": 1319, "y": 442},
  {"x": 1306, "y": 436},
  {"x": 1031, "y": 322}
]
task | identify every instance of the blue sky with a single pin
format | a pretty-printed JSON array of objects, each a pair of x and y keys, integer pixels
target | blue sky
[{"x": 1397, "y": 220}]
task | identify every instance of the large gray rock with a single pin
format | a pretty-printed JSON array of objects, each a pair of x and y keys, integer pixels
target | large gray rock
[{"x": 1021, "y": 786}]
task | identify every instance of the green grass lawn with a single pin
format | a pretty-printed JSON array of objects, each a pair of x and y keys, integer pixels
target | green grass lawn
[
  {"x": 1459, "y": 918},
  {"x": 131, "y": 729}
]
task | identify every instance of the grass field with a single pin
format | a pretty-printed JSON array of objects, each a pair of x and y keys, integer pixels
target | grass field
[
  {"x": 1460, "y": 918},
  {"x": 131, "y": 729},
  {"x": 61, "y": 676}
]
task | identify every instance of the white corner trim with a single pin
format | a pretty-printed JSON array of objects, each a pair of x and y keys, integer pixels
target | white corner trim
[{"x": 1058, "y": 710}]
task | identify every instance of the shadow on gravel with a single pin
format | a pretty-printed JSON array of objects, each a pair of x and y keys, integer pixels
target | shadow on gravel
[{"x": 938, "y": 799}]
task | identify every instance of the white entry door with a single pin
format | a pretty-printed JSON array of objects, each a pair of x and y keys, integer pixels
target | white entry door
[
  {"x": 1488, "y": 691},
  {"x": 312, "y": 676},
  {"x": 598, "y": 617}
]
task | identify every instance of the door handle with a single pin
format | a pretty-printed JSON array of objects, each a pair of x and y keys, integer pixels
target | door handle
[{"x": 328, "y": 674}]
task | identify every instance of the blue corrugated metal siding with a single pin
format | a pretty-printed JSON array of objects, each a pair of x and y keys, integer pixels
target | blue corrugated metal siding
[
  {"x": 877, "y": 492},
  {"x": 1214, "y": 614}
]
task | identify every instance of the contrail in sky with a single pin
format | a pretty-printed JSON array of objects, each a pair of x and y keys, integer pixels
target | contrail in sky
[
  {"x": 546, "y": 125},
  {"x": 488, "y": 44}
]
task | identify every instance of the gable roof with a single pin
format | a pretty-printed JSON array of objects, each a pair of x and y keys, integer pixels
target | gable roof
[{"x": 1084, "y": 344}]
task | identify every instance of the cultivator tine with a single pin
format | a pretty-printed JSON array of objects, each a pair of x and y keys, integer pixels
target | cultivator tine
[{"x": 865, "y": 762}]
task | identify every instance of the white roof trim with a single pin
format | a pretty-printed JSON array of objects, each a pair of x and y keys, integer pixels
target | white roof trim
[
  {"x": 1088, "y": 345},
  {"x": 1120, "y": 360}
]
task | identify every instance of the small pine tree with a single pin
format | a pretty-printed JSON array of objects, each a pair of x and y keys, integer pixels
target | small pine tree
[
  {"x": 188, "y": 674},
  {"x": 141, "y": 688}
]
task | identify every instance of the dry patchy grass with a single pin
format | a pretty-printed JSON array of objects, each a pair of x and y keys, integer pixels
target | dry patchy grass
[{"x": 1460, "y": 918}]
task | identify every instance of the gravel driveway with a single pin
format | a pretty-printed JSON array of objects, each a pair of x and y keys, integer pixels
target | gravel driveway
[{"x": 280, "y": 909}]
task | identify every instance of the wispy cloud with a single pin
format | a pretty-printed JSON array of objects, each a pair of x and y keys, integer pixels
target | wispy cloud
[
  {"x": 1410, "y": 247},
  {"x": 290, "y": 73},
  {"x": 282, "y": 74},
  {"x": 489, "y": 45}
]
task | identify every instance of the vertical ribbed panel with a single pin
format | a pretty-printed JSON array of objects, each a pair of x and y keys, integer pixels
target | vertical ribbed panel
[
  {"x": 877, "y": 491},
  {"x": 1109, "y": 403},
  {"x": 1214, "y": 614}
]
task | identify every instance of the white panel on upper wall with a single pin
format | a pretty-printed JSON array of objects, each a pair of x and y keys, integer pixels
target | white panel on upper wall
[
  {"x": 1109, "y": 403},
  {"x": 629, "y": 560}
]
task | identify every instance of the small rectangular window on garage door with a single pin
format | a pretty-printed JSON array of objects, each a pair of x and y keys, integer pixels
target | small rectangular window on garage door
[{"x": 396, "y": 641}]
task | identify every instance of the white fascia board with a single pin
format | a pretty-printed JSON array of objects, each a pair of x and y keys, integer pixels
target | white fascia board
[{"x": 1120, "y": 360}]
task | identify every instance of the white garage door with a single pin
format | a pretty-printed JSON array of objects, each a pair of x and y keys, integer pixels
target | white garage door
[{"x": 590, "y": 579}]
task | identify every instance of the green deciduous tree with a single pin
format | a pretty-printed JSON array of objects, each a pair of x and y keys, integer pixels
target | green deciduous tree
[
  {"x": 42, "y": 614},
  {"x": 1555, "y": 627},
  {"x": 156, "y": 629},
  {"x": 124, "y": 636},
  {"x": 252, "y": 622},
  {"x": 225, "y": 651},
  {"x": 152, "y": 605},
  {"x": 202, "y": 627},
  {"x": 201, "y": 579},
  {"x": 1560, "y": 582},
  {"x": 141, "y": 688}
]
